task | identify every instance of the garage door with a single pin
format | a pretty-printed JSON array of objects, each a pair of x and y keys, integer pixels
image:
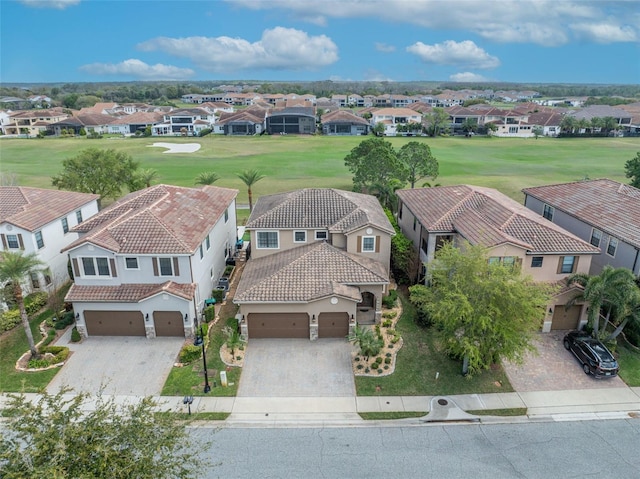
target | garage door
[
  {"x": 333, "y": 325},
  {"x": 278, "y": 325},
  {"x": 565, "y": 319},
  {"x": 114, "y": 323},
  {"x": 168, "y": 323}
]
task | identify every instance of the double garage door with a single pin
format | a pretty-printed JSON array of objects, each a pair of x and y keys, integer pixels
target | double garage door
[
  {"x": 296, "y": 325},
  {"x": 131, "y": 323}
]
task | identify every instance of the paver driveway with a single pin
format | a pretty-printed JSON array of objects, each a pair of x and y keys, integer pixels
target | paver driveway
[
  {"x": 553, "y": 369},
  {"x": 127, "y": 366},
  {"x": 297, "y": 368}
]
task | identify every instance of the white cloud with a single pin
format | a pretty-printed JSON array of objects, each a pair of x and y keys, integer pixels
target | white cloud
[
  {"x": 383, "y": 47},
  {"x": 374, "y": 75},
  {"x": 449, "y": 52},
  {"x": 57, "y": 4},
  {"x": 543, "y": 22},
  {"x": 605, "y": 32},
  {"x": 139, "y": 69},
  {"x": 467, "y": 77},
  {"x": 279, "y": 48}
]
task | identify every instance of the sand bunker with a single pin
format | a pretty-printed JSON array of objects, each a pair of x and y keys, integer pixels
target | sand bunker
[{"x": 178, "y": 148}]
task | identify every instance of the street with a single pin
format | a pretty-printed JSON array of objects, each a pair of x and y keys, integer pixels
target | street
[{"x": 603, "y": 449}]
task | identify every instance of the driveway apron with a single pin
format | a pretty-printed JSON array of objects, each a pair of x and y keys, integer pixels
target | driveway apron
[
  {"x": 297, "y": 368},
  {"x": 117, "y": 365}
]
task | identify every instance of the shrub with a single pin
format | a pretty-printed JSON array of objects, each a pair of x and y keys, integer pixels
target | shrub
[
  {"x": 391, "y": 332},
  {"x": 389, "y": 301},
  {"x": 66, "y": 320},
  {"x": 386, "y": 366},
  {"x": 209, "y": 313},
  {"x": 388, "y": 355},
  {"x": 38, "y": 363},
  {"x": 367, "y": 370},
  {"x": 75, "y": 335},
  {"x": 34, "y": 302},
  {"x": 190, "y": 353},
  {"x": 357, "y": 358},
  {"x": 360, "y": 366},
  {"x": 218, "y": 295},
  {"x": 387, "y": 360},
  {"x": 51, "y": 335},
  {"x": 379, "y": 371},
  {"x": 228, "y": 270},
  {"x": 387, "y": 323},
  {"x": 60, "y": 353},
  {"x": 390, "y": 315},
  {"x": 9, "y": 319}
]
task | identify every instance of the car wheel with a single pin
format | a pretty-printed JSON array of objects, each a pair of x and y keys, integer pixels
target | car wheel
[
  {"x": 585, "y": 368},
  {"x": 566, "y": 344}
]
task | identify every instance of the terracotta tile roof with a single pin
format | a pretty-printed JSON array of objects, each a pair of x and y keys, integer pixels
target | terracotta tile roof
[
  {"x": 486, "y": 216},
  {"x": 342, "y": 116},
  {"x": 286, "y": 277},
  {"x": 128, "y": 293},
  {"x": 162, "y": 219},
  {"x": 32, "y": 208},
  {"x": 337, "y": 210},
  {"x": 605, "y": 204},
  {"x": 139, "y": 117}
]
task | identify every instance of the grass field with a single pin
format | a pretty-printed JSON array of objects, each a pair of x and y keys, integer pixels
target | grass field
[{"x": 291, "y": 162}]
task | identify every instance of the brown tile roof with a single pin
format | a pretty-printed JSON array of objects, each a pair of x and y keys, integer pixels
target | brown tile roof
[
  {"x": 139, "y": 117},
  {"x": 32, "y": 208},
  {"x": 286, "y": 277},
  {"x": 606, "y": 204},
  {"x": 342, "y": 116},
  {"x": 486, "y": 216},
  {"x": 162, "y": 219},
  {"x": 128, "y": 293},
  {"x": 337, "y": 210}
]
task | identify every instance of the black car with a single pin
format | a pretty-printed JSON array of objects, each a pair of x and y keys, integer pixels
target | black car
[{"x": 594, "y": 356}]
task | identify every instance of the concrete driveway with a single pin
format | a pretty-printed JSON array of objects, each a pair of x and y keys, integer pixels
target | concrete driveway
[
  {"x": 554, "y": 369},
  {"x": 126, "y": 366},
  {"x": 297, "y": 368}
]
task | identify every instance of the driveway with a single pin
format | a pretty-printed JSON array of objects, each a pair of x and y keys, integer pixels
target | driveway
[
  {"x": 297, "y": 368},
  {"x": 554, "y": 368},
  {"x": 127, "y": 366}
]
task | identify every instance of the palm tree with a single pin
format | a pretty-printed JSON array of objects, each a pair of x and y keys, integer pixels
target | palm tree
[
  {"x": 14, "y": 268},
  {"x": 250, "y": 178},
  {"x": 630, "y": 311},
  {"x": 207, "y": 178},
  {"x": 367, "y": 341},
  {"x": 148, "y": 175}
]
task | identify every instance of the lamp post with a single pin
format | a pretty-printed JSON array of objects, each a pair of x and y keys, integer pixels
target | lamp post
[
  {"x": 198, "y": 340},
  {"x": 207, "y": 388}
]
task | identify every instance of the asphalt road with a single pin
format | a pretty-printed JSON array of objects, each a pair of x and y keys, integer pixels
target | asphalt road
[{"x": 602, "y": 449}]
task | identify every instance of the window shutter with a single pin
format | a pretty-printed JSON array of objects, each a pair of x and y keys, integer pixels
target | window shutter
[
  {"x": 560, "y": 260},
  {"x": 76, "y": 269},
  {"x": 176, "y": 269},
  {"x": 112, "y": 262},
  {"x": 154, "y": 260},
  {"x": 20, "y": 242},
  {"x": 575, "y": 264},
  {"x": 377, "y": 244},
  {"x": 4, "y": 241},
  {"x": 359, "y": 244}
]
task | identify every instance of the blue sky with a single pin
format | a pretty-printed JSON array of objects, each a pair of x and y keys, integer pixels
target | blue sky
[{"x": 537, "y": 41}]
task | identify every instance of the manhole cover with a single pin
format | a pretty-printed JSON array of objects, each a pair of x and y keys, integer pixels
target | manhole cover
[{"x": 443, "y": 402}]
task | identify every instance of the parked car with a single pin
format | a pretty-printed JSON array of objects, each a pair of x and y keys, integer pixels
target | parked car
[{"x": 594, "y": 356}]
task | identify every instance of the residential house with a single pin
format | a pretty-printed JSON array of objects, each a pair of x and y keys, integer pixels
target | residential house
[
  {"x": 97, "y": 122},
  {"x": 135, "y": 122},
  {"x": 342, "y": 122},
  {"x": 40, "y": 221},
  {"x": 249, "y": 121},
  {"x": 391, "y": 117},
  {"x": 294, "y": 120},
  {"x": 319, "y": 264},
  {"x": 184, "y": 121},
  {"x": 145, "y": 265},
  {"x": 603, "y": 212},
  {"x": 512, "y": 234},
  {"x": 32, "y": 122},
  {"x": 621, "y": 116}
]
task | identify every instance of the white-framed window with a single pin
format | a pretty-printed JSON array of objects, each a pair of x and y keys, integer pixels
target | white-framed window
[
  {"x": 368, "y": 244},
  {"x": 131, "y": 263},
  {"x": 321, "y": 235},
  {"x": 79, "y": 216},
  {"x": 596, "y": 237},
  {"x": 39, "y": 239},
  {"x": 12, "y": 242},
  {"x": 65, "y": 225},
  {"x": 267, "y": 239},
  {"x": 513, "y": 129},
  {"x": 95, "y": 266},
  {"x": 612, "y": 246},
  {"x": 547, "y": 212},
  {"x": 567, "y": 264},
  {"x": 300, "y": 236},
  {"x": 166, "y": 266}
]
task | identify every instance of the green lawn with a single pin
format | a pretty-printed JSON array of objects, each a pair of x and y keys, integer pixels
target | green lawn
[
  {"x": 629, "y": 365},
  {"x": 417, "y": 364},
  {"x": 292, "y": 162}
]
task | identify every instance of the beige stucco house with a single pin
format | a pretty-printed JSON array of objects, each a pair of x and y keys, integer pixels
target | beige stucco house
[
  {"x": 512, "y": 234},
  {"x": 319, "y": 264}
]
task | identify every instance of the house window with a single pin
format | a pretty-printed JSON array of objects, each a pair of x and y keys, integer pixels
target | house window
[
  {"x": 368, "y": 244},
  {"x": 39, "y": 240},
  {"x": 12, "y": 242},
  {"x": 95, "y": 266},
  {"x": 321, "y": 235},
  {"x": 513, "y": 129},
  {"x": 267, "y": 239},
  {"x": 226, "y": 215},
  {"x": 131, "y": 263},
  {"x": 400, "y": 211},
  {"x": 166, "y": 266},
  {"x": 536, "y": 262},
  {"x": 47, "y": 277},
  {"x": 35, "y": 282},
  {"x": 509, "y": 260},
  {"x": 79, "y": 216},
  {"x": 299, "y": 236},
  {"x": 65, "y": 225},
  {"x": 208, "y": 243},
  {"x": 415, "y": 222},
  {"x": 596, "y": 237},
  {"x": 567, "y": 264},
  {"x": 494, "y": 260},
  {"x": 548, "y": 212},
  {"x": 201, "y": 252},
  {"x": 613, "y": 246}
]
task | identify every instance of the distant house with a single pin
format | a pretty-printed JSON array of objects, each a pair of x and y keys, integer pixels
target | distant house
[
  {"x": 295, "y": 120},
  {"x": 342, "y": 122},
  {"x": 184, "y": 121},
  {"x": 32, "y": 122},
  {"x": 135, "y": 122},
  {"x": 96, "y": 122},
  {"x": 249, "y": 121},
  {"x": 603, "y": 212},
  {"x": 512, "y": 234},
  {"x": 392, "y": 117}
]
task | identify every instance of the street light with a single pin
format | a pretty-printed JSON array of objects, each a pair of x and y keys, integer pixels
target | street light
[
  {"x": 188, "y": 400},
  {"x": 207, "y": 388}
]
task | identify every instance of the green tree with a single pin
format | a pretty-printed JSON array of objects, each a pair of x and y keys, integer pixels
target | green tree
[
  {"x": 367, "y": 341},
  {"x": 419, "y": 160},
  {"x": 250, "y": 178},
  {"x": 14, "y": 269},
  {"x": 483, "y": 311},
  {"x": 378, "y": 129},
  {"x": 147, "y": 175},
  {"x": 60, "y": 436},
  {"x": 568, "y": 124},
  {"x": 102, "y": 172},
  {"x": 491, "y": 128},
  {"x": 375, "y": 162},
  {"x": 69, "y": 101},
  {"x": 207, "y": 178},
  {"x": 438, "y": 121},
  {"x": 469, "y": 125},
  {"x": 632, "y": 170},
  {"x": 537, "y": 131}
]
